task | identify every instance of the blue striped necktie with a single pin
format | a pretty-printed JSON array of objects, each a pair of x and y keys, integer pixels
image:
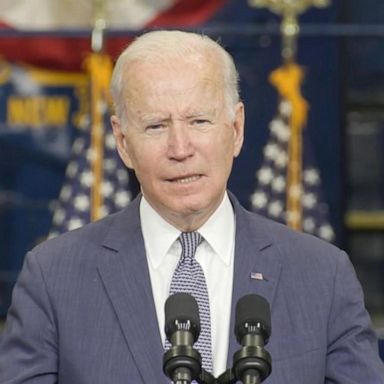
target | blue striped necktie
[{"x": 189, "y": 278}]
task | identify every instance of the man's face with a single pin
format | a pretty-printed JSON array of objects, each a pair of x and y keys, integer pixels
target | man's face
[{"x": 180, "y": 138}]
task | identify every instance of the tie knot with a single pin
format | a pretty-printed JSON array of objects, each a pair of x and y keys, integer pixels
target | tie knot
[{"x": 189, "y": 242}]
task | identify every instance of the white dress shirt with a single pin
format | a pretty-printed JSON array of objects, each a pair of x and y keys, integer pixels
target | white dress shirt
[{"x": 215, "y": 255}]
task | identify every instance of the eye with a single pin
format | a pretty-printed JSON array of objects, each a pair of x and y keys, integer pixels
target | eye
[
  {"x": 200, "y": 121},
  {"x": 154, "y": 127}
]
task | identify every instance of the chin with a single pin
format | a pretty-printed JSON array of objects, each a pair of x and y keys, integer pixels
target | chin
[{"x": 196, "y": 206}]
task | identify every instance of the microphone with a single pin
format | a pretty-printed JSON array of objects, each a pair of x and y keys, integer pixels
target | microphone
[
  {"x": 182, "y": 363},
  {"x": 252, "y": 363}
]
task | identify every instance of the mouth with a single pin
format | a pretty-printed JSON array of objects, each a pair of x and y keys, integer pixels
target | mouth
[{"x": 185, "y": 179}]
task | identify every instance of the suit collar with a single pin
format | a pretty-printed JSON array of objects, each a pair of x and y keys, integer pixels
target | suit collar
[
  {"x": 124, "y": 272},
  {"x": 254, "y": 253}
]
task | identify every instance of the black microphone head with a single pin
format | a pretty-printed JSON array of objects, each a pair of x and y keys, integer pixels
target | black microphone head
[
  {"x": 182, "y": 313},
  {"x": 253, "y": 315}
]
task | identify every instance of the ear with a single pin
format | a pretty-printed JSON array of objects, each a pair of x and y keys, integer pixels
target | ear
[
  {"x": 238, "y": 129},
  {"x": 121, "y": 141}
]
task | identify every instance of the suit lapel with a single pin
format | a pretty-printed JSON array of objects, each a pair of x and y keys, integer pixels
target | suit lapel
[
  {"x": 254, "y": 253},
  {"x": 124, "y": 272}
]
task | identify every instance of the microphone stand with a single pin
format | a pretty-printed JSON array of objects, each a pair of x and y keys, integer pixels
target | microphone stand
[
  {"x": 182, "y": 364},
  {"x": 251, "y": 365}
]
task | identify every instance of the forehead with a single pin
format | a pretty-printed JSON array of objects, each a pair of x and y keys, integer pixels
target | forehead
[{"x": 173, "y": 79}]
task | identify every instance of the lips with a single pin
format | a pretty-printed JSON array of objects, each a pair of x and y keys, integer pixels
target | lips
[{"x": 185, "y": 179}]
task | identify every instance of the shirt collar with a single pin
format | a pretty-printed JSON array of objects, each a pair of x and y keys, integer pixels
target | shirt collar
[
  {"x": 219, "y": 230},
  {"x": 159, "y": 235}
]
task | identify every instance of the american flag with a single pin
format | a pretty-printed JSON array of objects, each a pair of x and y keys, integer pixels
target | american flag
[
  {"x": 269, "y": 197},
  {"x": 72, "y": 210},
  {"x": 108, "y": 184}
]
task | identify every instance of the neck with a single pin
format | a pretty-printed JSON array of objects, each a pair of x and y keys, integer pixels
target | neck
[{"x": 188, "y": 220}]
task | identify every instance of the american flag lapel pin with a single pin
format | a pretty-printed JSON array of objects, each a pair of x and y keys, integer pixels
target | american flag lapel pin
[{"x": 257, "y": 276}]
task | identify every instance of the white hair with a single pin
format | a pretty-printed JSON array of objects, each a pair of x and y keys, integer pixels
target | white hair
[{"x": 158, "y": 46}]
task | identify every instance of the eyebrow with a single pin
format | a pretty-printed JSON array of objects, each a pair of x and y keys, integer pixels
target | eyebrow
[
  {"x": 148, "y": 119},
  {"x": 152, "y": 118},
  {"x": 201, "y": 113}
]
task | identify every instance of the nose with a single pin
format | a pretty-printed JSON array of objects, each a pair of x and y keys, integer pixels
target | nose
[{"x": 180, "y": 146}]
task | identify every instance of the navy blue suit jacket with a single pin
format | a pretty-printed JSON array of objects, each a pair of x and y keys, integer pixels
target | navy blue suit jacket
[{"x": 83, "y": 310}]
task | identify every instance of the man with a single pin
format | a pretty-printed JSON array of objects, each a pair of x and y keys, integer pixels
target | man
[{"x": 88, "y": 306}]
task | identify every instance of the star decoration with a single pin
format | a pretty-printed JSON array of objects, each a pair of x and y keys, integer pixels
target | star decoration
[
  {"x": 259, "y": 200},
  {"x": 265, "y": 175}
]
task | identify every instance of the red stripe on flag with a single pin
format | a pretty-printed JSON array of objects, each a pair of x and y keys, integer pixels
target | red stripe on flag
[
  {"x": 53, "y": 52},
  {"x": 187, "y": 13},
  {"x": 4, "y": 25}
]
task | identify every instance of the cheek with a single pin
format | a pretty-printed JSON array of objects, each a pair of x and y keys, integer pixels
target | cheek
[
  {"x": 146, "y": 158},
  {"x": 227, "y": 146}
]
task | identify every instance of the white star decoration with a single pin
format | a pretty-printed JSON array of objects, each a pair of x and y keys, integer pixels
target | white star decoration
[
  {"x": 265, "y": 175},
  {"x": 109, "y": 165},
  {"x": 86, "y": 179},
  {"x": 285, "y": 108},
  {"x": 326, "y": 232},
  {"x": 110, "y": 141},
  {"x": 259, "y": 199},
  {"x": 309, "y": 200},
  {"x": 122, "y": 198},
  {"x": 311, "y": 176},
  {"x": 72, "y": 169},
  {"x": 280, "y": 130},
  {"x": 75, "y": 223},
  {"x": 66, "y": 193},
  {"x": 309, "y": 224},
  {"x": 81, "y": 203},
  {"x": 278, "y": 184},
  {"x": 91, "y": 155},
  {"x": 275, "y": 209},
  {"x": 107, "y": 189},
  {"x": 270, "y": 151},
  {"x": 122, "y": 176},
  {"x": 78, "y": 146},
  {"x": 281, "y": 159},
  {"x": 59, "y": 216},
  {"x": 105, "y": 210}
]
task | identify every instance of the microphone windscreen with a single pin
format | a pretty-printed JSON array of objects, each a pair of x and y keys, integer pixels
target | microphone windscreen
[
  {"x": 252, "y": 310},
  {"x": 180, "y": 308}
]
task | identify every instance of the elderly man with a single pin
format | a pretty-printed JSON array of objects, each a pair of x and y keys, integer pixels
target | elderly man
[{"x": 89, "y": 305}]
